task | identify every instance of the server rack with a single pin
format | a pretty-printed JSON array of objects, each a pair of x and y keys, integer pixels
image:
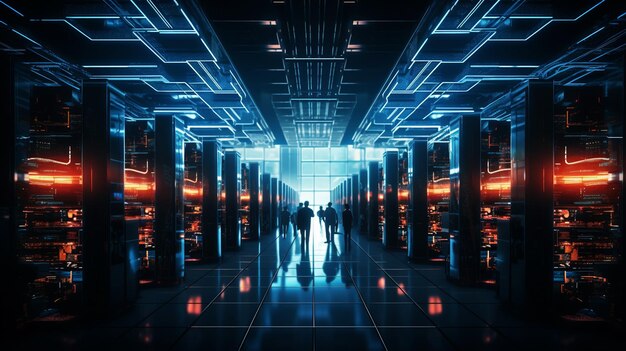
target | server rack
[
  {"x": 244, "y": 210},
  {"x": 391, "y": 221},
  {"x": 139, "y": 192},
  {"x": 586, "y": 201},
  {"x": 438, "y": 195},
  {"x": 48, "y": 190},
  {"x": 193, "y": 202},
  {"x": 495, "y": 192},
  {"x": 274, "y": 204}
]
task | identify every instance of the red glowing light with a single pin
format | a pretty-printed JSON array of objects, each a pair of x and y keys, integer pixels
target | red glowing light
[
  {"x": 194, "y": 305},
  {"x": 381, "y": 282},
  {"x": 434, "y": 306},
  {"x": 244, "y": 284}
]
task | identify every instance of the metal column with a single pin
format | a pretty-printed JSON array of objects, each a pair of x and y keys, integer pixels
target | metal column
[
  {"x": 211, "y": 188},
  {"x": 354, "y": 206},
  {"x": 372, "y": 217},
  {"x": 104, "y": 240},
  {"x": 528, "y": 272},
  {"x": 232, "y": 186},
  {"x": 169, "y": 229},
  {"x": 418, "y": 201},
  {"x": 465, "y": 239},
  {"x": 274, "y": 204},
  {"x": 266, "y": 203},
  {"x": 254, "y": 201},
  {"x": 362, "y": 201}
]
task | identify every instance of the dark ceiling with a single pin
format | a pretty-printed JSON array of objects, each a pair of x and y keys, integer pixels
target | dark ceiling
[{"x": 314, "y": 67}]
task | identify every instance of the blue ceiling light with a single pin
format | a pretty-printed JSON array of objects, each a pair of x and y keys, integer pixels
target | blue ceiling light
[{"x": 462, "y": 54}]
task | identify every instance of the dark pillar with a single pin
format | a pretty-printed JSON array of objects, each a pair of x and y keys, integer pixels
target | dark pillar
[
  {"x": 390, "y": 233},
  {"x": 532, "y": 169},
  {"x": 266, "y": 203},
  {"x": 168, "y": 200},
  {"x": 8, "y": 203},
  {"x": 464, "y": 261},
  {"x": 104, "y": 242},
  {"x": 274, "y": 203},
  {"x": 418, "y": 202},
  {"x": 281, "y": 197},
  {"x": 232, "y": 186},
  {"x": 348, "y": 198},
  {"x": 211, "y": 188},
  {"x": 372, "y": 218},
  {"x": 354, "y": 206},
  {"x": 253, "y": 184},
  {"x": 363, "y": 201}
]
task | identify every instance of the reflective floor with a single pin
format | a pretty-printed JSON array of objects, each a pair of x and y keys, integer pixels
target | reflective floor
[{"x": 275, "y": 295}]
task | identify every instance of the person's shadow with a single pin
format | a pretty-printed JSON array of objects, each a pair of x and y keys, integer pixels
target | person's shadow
[
  {"x": 331, "y": 263},
  {"x": 303, "y": 271}
]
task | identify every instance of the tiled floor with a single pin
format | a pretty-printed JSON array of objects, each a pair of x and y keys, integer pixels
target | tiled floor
[{"x": 273, "y": 295}]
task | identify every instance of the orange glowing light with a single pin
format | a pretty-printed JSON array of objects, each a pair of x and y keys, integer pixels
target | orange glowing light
[
  {"x": 381, "y": 197},
  {"x": 586, "y": 179},
  {"x": 189, "y": 191},
  {"x": 244, "y": 284},
  {"x": 381, "y": 282},
  {"x": 434, "y": 306},
  {"x": 497, "y": 186},
  {"x": 48, "y": 180},
  {"x": 400, "y": 289},
  {"x": 245, "y": 197},
  {"x": 194, "y": 305},
  {"x": 138, "y": 186}
]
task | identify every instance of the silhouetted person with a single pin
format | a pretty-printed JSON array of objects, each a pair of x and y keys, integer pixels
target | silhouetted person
[
  {"x": 331, "y": 219},
  {"x": 346, "y": 217},
  {"x": 304, "y": 223},
  {"x": 284, "y": 221},
  {"x": 320, "y": 216},
  {"x": 294, "y": 220}
]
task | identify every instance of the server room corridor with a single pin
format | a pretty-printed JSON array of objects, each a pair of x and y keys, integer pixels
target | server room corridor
[{"x": 273, "y": 296}]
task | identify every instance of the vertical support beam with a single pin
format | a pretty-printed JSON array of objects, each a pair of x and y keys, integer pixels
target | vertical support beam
[
  {"x": 372, "y": 217},
  {"x": 103, "y": 199},
  {"x": 354, "y": 206},
  {"x": 281, "y": 197},
  {"x": 532, "y": 171},
  {"x": 266, "y": 204},
  {"x": 418, "y": 201},
  {"x": 254, "y": 201},
  {"x": 464, "y": 261},
  {"x": 390, "y": 233},
  {"x": 363, "y": 201},
  {"x": 169, "y": 228},
  {"x": 274, "y": 203},
  {"x": 8, "y": 203},
  {"x": 211, "y": 187},
  {"x": 232, "y": 186},
  {"x": 348, "y": 190}
]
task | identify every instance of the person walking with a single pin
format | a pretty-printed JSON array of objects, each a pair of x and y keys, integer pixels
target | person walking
[
  {"x": 304, "y": 223},
  {"x": 331, "y": 219},
  {"x": 346, "y": 217},
  {"x": 320, "y": 216},
  {"x": 284, "y": 221}
]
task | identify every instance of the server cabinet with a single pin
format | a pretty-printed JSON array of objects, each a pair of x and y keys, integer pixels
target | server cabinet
[
  {"x": 362, "y": 201},
  {"x": 373, "y": 200},
  {"x": 254, "y": 194},
  {"x": 391, "y": 215},
  {"x": 354, "y": 206},
  {"x": 266, "y": 203}
]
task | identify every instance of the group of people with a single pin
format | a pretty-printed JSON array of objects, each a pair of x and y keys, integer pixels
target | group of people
[{"x": 301, "y": 220}]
